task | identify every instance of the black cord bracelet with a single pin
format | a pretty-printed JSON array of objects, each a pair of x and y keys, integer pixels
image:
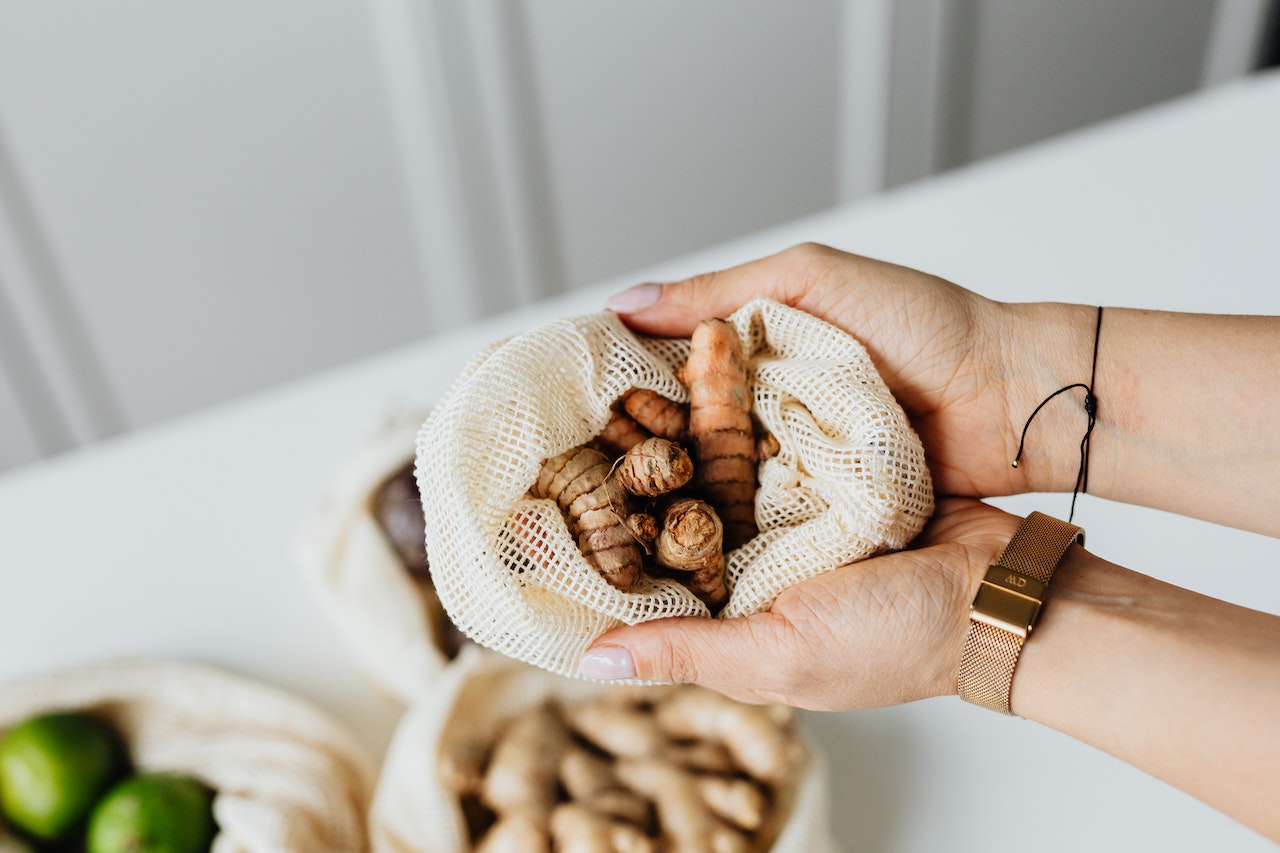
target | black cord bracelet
[{"x": 1091, "y": 410}]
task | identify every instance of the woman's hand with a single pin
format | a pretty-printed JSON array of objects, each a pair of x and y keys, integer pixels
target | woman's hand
[
  {"x": 1187, "y": 403},
  {"x": 967, "y": 370},
  {"x": 878, "y": 632}
]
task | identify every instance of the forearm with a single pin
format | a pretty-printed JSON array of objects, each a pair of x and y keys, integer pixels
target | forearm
[
  {"x": 1184, "y": 687},
  {"x": 1188, "y": 408}
]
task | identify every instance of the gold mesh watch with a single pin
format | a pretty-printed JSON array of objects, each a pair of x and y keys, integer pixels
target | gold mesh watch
[{"x": 1005, "y": 609}]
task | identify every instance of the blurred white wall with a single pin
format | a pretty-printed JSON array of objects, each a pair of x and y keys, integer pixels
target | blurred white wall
[{"x": 201, "y": 200}]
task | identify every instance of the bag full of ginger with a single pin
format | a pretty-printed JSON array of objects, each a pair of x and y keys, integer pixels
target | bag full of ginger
[
  {"x": 501, "y": 756},
  {"x": 579, "y": 476}
]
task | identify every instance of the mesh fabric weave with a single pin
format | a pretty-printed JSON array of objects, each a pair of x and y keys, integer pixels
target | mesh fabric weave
[{"x": 849, "y": 481}]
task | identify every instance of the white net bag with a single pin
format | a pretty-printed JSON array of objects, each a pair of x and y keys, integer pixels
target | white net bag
[
  {"x": 286, "y": 778},
  {"x": 414, "y": 812},
  {"x": 388, "y": 615},
  {"x": 848, "y": 482}
]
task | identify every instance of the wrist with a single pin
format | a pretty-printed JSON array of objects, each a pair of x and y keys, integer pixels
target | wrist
[
  {"x": 1006, "y": 607},
  {"x": 1045, "y": 346},
  {"x": 965, "y": 571}
]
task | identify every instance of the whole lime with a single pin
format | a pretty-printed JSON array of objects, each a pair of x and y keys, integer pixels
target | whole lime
[
  {"x": 153, "y": 813},
  {"x": 53, "y": 768}
]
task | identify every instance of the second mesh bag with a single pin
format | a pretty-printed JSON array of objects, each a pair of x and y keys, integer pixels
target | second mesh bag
[{"x": 849, "y": 479}]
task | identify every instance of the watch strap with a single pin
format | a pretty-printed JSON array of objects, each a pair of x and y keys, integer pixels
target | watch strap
[{"x": 1006, "y": 607}]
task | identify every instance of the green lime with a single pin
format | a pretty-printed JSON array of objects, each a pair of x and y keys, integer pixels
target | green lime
[
  {"x": 53, "y": 768},
  {"x": 153, "y": 813}
]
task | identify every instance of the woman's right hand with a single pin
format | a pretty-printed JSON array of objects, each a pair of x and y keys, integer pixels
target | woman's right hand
[{"x": 967, "y": 370}]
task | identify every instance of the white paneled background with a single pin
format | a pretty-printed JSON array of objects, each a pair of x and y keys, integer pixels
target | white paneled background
[{"x": 199, "y": 200}]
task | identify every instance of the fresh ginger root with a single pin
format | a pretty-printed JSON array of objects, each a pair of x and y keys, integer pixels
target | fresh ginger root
[
  {"x": 720, "y": 427},
  {"x": 589, "y": 779},
  {"x": 596, "y": 505},
  {"x": 576, "y": 828},
  {"x": 628, "y": 731},
  {"x": 691, "y": 542},
  {"x": 701, "y": 756},
  {"x": 517, "y": 831},
  {"x": 758, "y": 737},
  {"x": 630, "y": 839},
  {"x": 738, "y": 801},
  {"x": 461, "y": 766},
  {"x": 585, "y": 774},
  {"x": 525, "y": 763},
  {"x": 654, "y": 467},
  {"x": 688, "y": 825},
  {"x": 617, "y": 729},
  {"x": 635, "y": 770},
  {"x": 660, "y": 416}
]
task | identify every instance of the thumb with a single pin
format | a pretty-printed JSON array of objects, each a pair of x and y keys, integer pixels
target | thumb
[
  {"x": 674, "y": 309},
  {"x": 726, "y": 654}
]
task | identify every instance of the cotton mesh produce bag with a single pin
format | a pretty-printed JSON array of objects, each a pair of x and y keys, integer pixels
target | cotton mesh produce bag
[
  {"x": 391, "y": 621},
  {"x": 849, "y": 480},
  {"x": 413, "y": 812},
  {"x": 286, "y": 778}
]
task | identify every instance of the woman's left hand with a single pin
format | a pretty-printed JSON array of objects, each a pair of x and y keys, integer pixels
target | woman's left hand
[{"x": 879, "y": 632}]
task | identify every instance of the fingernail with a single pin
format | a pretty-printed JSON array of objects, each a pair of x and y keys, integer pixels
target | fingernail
[
  {"x": 634, "y": 299},
  {"x": 607, "y": 664}
]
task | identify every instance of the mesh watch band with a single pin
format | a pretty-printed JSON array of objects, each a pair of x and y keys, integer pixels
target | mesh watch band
[{"x": 1006, "y": 607}]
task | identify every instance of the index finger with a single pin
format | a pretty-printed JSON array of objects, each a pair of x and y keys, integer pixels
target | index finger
[{"x": 674, "y": 309}]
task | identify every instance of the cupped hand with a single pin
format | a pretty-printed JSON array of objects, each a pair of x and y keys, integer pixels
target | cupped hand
[
  {"x": 963, "y": 368},
  {"x": 879, "y": 632}
]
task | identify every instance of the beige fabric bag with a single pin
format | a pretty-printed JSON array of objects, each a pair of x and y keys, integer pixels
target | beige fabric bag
[
  {"x": 849, "y": 481},
  {"x": 288, "y": 779},
  {"x": 389, "y": 620},
  {"x": 413, "y": 813}
]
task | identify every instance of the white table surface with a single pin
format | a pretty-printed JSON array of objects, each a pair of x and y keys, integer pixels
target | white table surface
[{"x": 177, "y": 541}]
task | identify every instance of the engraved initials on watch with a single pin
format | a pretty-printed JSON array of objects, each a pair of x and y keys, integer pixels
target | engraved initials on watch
[
  {"x": 1015, "y": 582},
  {"x": 1008, "y": 600}
]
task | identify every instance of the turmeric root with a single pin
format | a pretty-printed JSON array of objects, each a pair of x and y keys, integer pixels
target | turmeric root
[
  {"x": 579, "y": 481},
  {"x": 767, "y": 446},
  {"x": 620, "y": 434},
  {"x": 643, "y": 527},
  {"x": 691, "y": 542},
  {"x": 660, "y": 416},
  {"x": 720, "y": 427},
  {"x": 654, "y": 467}
]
